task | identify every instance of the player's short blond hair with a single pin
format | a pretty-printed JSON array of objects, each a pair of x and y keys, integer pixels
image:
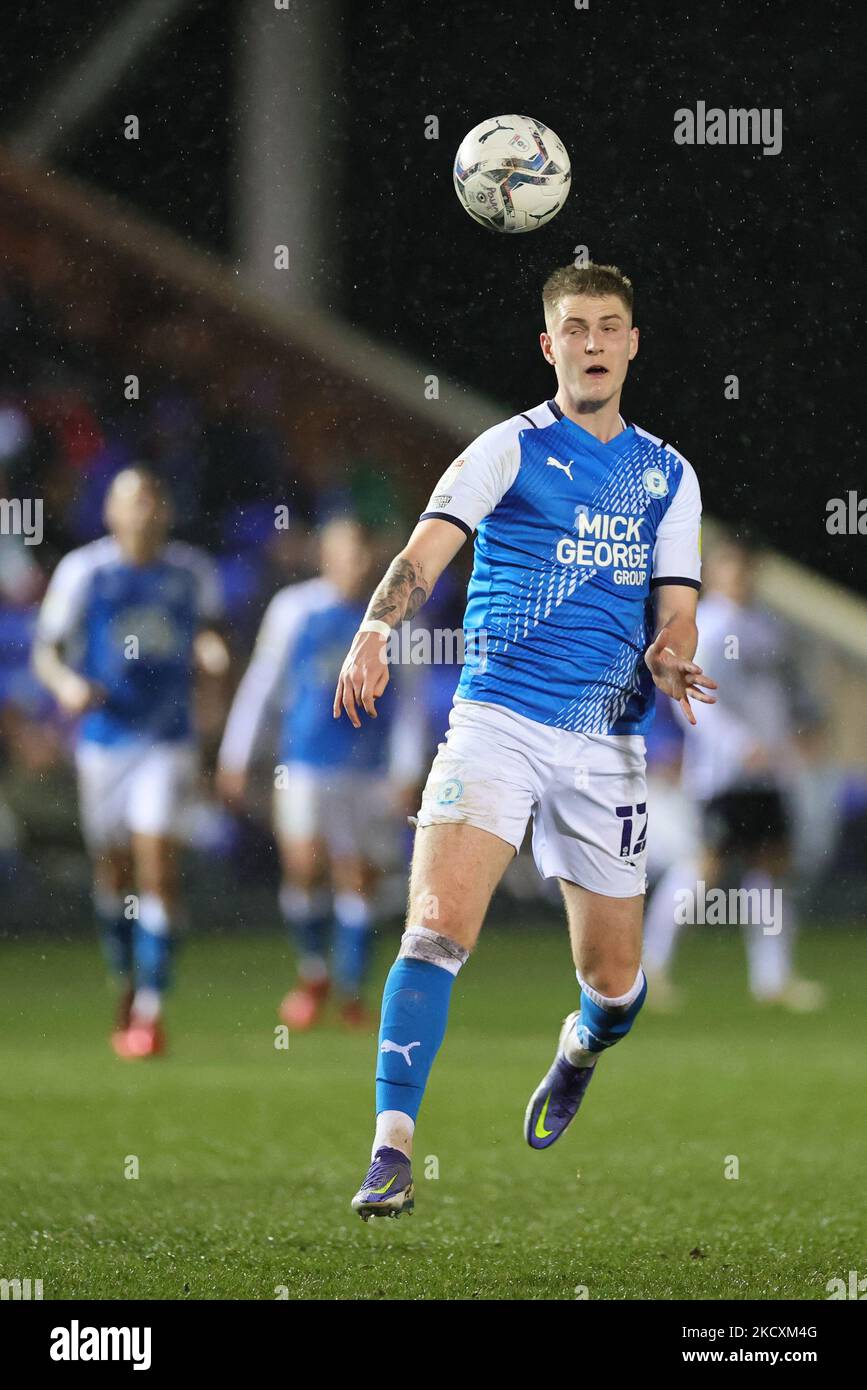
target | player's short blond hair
[{"x": 596, "y": 280}]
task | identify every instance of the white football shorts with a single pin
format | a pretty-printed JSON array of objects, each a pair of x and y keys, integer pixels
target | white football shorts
[
  {"x": 134, "y": 789},
  {"x": 586, "y": 794},
  {"x": 346, "y": 809}
]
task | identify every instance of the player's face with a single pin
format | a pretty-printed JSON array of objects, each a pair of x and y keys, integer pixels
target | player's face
[
  {"x": 345, "y": 556},
  {"x": 136, "y": 513},
  {"x": 590, "y": 341},
  {"x": 731, "y": 571}
]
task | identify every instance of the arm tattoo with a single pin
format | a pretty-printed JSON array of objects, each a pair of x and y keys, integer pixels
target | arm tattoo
[{"x": 400, "y": 594}]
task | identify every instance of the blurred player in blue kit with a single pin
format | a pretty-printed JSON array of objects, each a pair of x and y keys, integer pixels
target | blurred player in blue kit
[
  {"x": 584, "y": 586},
  {"x": 123, "y": 627},
  {"x": 335, "y": 794}
]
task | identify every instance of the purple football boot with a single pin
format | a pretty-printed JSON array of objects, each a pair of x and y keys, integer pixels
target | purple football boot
[
  {"x": 554, "y": 1103},
  {"x": 387, "y": 1190}
]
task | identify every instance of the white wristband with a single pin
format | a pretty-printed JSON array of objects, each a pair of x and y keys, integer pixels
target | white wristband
[{"x": 374, "y": 625}]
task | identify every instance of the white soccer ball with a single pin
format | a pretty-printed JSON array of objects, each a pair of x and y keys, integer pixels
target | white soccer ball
[{"x": 512, "y": 174}]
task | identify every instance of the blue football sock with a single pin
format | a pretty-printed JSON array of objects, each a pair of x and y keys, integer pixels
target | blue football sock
[
  {"x": 115, "y": 932},
  {"x": 352, "y": 943},
  {"x": 308, "y": 919},
  {"x": 602, "y": 1022},
  {"x": 415, "y": 1006},
  {"x": 153, "y": 945}
]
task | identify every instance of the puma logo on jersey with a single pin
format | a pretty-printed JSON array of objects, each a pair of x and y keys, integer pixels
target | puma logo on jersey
[
  {"x": 389, "y": 1046},
  {"x": 565, "y": 467}
]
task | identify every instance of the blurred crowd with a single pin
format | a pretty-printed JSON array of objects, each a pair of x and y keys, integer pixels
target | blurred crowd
[{"x": 247, "y": 484}]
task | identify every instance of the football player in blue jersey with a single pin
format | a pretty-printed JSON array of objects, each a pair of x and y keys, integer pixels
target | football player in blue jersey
[
  {"x": 333, "y": 790},
  {"x": 124, "y": 624},
  {"x": 582, "y": 599}
]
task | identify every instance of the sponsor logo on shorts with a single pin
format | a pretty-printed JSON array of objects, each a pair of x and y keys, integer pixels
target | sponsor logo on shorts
[{"x": 450, "y": 792}]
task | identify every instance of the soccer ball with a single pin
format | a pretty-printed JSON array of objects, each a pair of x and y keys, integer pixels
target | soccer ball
[{"x": 512, "y": 174}]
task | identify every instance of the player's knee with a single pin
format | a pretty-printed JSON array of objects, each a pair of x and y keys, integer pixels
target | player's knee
[
  {"x": 449, "y": 923},
  {"x": 612, "y": 981},
  {"x": 300, "y": 880},
  {"x": 711, "y": 867},
  {"x": 162, "y": 890},
  {"x": 157, "y": 874},
  {"x": 109, "y": 882}
]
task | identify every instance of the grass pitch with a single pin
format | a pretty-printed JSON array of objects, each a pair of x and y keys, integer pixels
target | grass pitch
[{"x": 248, "y": 1154}]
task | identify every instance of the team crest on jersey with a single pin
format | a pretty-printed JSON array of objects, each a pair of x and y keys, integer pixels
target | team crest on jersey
[{"x": 655, "y": 482}]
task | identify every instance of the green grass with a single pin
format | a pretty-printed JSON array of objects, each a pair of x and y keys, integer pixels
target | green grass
[{"x": 248, "y": 1155}]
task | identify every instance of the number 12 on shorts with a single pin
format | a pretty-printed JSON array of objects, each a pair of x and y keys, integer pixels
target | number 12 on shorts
[{"x": 629, "y": 815}]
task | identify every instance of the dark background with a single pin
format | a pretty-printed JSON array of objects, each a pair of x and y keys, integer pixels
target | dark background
[{"x": 743, "y": 263}]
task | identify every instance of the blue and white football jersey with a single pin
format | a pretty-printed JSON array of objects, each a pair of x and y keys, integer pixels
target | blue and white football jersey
[
  {"x": 571, "y": 536},
  {"x": 305, "y": 635},
  {"x": 131, "y": 629}
]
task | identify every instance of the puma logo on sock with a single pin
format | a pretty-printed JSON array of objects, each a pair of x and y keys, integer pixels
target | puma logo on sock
[{"x": 389, "y": 1046}]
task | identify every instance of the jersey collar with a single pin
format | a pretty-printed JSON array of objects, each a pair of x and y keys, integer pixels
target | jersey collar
[{"x": 589, "y": 440}]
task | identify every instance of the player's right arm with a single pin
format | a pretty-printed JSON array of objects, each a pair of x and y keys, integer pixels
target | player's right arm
[
  {"x": 60, "y": 614},
  {"x": 469, "y": 490},
  {"x": 406, "y": 586},
  {"x": 73, "y": 692}
]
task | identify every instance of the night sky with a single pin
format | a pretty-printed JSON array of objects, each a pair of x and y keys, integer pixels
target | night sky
[{"x": 743, "y": 263}]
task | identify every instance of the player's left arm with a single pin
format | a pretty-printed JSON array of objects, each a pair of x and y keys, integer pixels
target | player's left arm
[
  {"x": 669, "y": 658},
  {"x": 675, "y": 582}
]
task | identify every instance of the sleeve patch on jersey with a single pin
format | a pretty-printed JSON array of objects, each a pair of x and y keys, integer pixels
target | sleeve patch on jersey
[
  {"x": 444, "y": 516},
  {"x": 677, "y": 579},
  {"x": 451, "y": 475},
  {"x": 441, "y": 500}
]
